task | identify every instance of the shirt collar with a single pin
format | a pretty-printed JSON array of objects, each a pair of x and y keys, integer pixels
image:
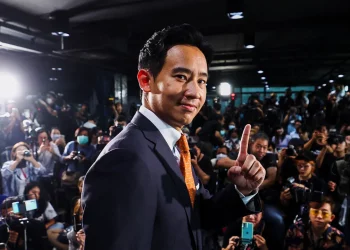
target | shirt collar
[{"x": 170, "y": 134}]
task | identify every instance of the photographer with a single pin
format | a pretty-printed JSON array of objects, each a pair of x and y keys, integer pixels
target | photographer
[
  {"x": 203, "y": 167},
  {"x": 232, "y": 240},
  {"x": 332, "y": 152},
  {"x": 48, "y": 152},
  {"x": 119, "y": 124},
  {"x": 318, "y": 140},
  {"x": 21, "y": 170},
  {"x": 78, "y": 154},
  {"x": 76, "y": 236},
  {"x": 12, "y": 231},
  {"x": 45, "y": 212},
  {"x": 316, "y": 233},
  {"x": 296, "y": 192}
]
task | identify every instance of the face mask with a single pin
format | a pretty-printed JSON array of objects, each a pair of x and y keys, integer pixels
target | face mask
[
  {"x": 82, "y": 139},
  {"x": 55, "y": 137},
  {"x": 230, "y": 127},
  {"x": 49, "y": 101},
  {"x": 222, "y": 132},
  {"x": 219, "y": 156}
]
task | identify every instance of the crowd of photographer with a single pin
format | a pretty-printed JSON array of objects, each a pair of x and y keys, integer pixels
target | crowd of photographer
[
  {"x": 302, "y": 144},
  {"x": 46, "y": 151}
]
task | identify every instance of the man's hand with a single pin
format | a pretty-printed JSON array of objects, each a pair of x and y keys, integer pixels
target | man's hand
[
  {"x": 19, "y": 156},
  {"x": 81, "y": 238},
  {"x": 248, "y": 174},
  {"x": 300, "y": 186},
  {"x": 260, "y": 242},
  {"x": 332, "y": 186}
]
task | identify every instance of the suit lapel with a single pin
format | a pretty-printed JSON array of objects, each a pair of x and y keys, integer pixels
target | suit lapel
[{"x": 169, "y": 162}]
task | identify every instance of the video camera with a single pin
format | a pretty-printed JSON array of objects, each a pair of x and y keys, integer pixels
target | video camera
[{"x": 302, "y": 195}]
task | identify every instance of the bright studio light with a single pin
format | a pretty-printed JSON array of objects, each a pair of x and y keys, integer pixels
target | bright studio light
[
  {"x": 225, "y": 89},
  {"x": 8, "y": 86}
]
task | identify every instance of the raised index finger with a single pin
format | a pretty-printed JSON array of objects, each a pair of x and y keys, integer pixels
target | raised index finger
[{"x": 243, "y": 149}]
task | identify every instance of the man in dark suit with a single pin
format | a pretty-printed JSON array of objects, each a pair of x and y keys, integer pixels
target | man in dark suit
[{"x": 139, "y": 194}]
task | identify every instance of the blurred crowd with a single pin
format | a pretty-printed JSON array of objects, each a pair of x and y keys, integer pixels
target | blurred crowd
[{"x": 302, "y": 142}]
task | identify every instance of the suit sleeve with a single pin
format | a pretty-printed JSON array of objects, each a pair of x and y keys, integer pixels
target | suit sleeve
[
  {"x": 119, "y": 202},
  {"x": 225, "y": 207}
]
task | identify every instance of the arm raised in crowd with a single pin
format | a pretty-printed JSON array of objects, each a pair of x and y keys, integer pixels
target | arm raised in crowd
[{"x": 114, "y": 199}]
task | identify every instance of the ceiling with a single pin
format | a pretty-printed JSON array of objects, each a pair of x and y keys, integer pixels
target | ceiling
[{"x": 297, "y": 42}]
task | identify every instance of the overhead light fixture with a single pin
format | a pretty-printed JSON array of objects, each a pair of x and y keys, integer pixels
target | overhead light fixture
[
  {"x": 249, "y": 40},
  {"x": 53, "y": 68},
  {"x": 235, "y": 9},
  {"x": 260, "y": 71},
  {"x": 265, "y": 83},
  {"x": 214, "y": 87},
  {"x": 324, "y": 85},
  {"x": 225, "y": 89},
  {"x": 319, "y": 87},
  {"x": 263, "y": 78},
  {"x": 267, "y": 86},
  {"x": 59, "y": 69},
  {"x": 340, "y": 76},
  {"x": 18, "y": 48},
  {"x": 331, "y": 81}
]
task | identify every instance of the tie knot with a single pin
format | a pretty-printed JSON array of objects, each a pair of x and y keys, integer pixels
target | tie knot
[{"x": 183, "y": 144}]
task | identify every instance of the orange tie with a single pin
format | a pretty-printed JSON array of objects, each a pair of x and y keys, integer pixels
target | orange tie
[{"x": 185, "y": 166}]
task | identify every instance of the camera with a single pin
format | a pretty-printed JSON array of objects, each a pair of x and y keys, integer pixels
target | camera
[
  {"x": 291, "y": 151},
  {"x": 193, "y": 152},
  {"x": 78, "y": 156},
  {"x": 27, "y": 153}
]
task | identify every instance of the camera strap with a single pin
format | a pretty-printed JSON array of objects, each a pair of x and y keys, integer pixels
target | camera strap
[{"x": 24, "y": 174}]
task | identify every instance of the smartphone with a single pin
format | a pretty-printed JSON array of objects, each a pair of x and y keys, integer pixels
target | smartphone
[
  {"x": 31, "y": 205},
  {"x": 76, "y": 225},
  {"x": 15, "y": 207},
  {"x": 247, "y": 233}
]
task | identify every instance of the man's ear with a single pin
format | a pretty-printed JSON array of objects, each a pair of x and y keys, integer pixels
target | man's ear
[
  {"x": 332, "y": 217},
  {"x": 144, "y": 78}
]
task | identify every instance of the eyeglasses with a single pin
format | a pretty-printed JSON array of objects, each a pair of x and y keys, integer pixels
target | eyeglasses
[{"x": 315, "y": 212}]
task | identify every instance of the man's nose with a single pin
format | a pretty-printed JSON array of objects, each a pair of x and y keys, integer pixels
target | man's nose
[{"x": 193, "y": 91}]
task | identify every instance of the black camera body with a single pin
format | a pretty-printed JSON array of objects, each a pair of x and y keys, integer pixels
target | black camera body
[
  {"x": 193, "y": 152},
  {"x": 78, "y": 156},
  {"x": 27, "y": 153}
]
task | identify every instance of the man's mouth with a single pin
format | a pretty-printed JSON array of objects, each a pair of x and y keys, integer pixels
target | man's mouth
[{"x": 189, "y": 107}]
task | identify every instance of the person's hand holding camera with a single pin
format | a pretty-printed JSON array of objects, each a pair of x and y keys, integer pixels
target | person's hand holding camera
[
  {"x": 71, "y": 156},
  {"x": 19, "y": 156},
  {"x": 300, "y": 186},
  {"x": 260, "y": 242},
  {"x": 233, "y": 242},
  {"x": 286, "y": 195},
  {"x": 81, "y": 238},
  {"x": 332, "y": 186},
  {"x": 194, "y": 161}
]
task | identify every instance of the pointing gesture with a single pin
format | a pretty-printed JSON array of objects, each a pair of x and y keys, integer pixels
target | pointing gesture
[{"x": 248, "y": 174}]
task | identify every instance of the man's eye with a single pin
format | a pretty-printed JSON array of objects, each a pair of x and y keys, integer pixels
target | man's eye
[
  {"x": 181, "y": 77},
  {"x": 202, "y": 82}
]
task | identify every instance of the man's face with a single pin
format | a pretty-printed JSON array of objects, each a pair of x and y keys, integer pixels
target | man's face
[
  {"x": 42, "y": 137},
  {"x": 297, "y": 125},
  {"x": 178, "y": 93},
  {"x": 259, "y": 148},
  {"x": 119, "y": 108},
  {"x": 341, "y": 147},
  {"x": 322, "y": 216}
]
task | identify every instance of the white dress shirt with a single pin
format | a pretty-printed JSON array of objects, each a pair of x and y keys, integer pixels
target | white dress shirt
[{"x": 171, "y": 136}]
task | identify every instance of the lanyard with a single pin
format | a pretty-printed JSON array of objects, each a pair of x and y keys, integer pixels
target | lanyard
[{"x": 24, "y": 174}]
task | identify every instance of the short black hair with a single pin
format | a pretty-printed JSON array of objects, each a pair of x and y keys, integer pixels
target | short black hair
[
  {"x": 261, "y": 136},
  {"x": 121, "y": 118},
  {"x": 217, "y": 106},
  {"x": 325, "y": 199},
  {"x": 152, "y": 55}
]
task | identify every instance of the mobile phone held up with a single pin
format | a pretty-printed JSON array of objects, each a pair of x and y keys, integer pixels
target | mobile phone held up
[{"x": 247, "y": 233}]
